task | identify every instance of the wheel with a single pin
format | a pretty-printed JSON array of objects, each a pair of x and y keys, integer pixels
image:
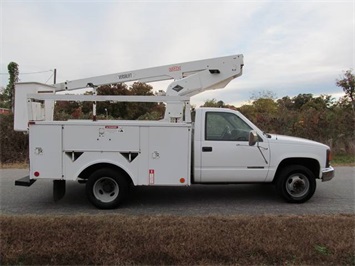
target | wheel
[
  {"x": 296, "y": 184},
  {"x": 106, "y": 188}
]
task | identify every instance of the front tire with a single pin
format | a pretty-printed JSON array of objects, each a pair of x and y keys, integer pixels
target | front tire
[
  {"x": 296, "y": 184},
  {"x": 106, "y": 188}
]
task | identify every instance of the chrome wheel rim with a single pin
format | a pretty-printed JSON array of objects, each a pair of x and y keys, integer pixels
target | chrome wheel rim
[
  {"x": 297, "y": 185},
  {"x": 106, "y": 189}
]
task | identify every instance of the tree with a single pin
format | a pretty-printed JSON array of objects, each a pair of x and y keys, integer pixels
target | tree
[
  {"x": 136, "y": 109},
  {"x": 117, "y": 110},
  {"x": 126, "y": 110},
  {"x": 9, "y": 92},
  {"x": 301, "y": 99},
  {"x": 265, "y": 105},
  {"x": 67, "y": 109},
  {"x": 264, "y": 94},
  {"x": 113, "y": 110},
  {"x": 3, "y": 98},
  {"x": 213, "y": 103},
  {"x": 285, "y": 103},
  {"x": 13, "y": 145},
  {"x": 347, "y": 83}
]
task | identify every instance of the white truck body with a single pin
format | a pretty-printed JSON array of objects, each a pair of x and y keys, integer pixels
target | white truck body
[
  {"x": 150, "y": 152},
  {"x": 220, "y": 146}
]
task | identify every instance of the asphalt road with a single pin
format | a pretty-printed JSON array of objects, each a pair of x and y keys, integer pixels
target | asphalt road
[{"x": 333, "y": 197}]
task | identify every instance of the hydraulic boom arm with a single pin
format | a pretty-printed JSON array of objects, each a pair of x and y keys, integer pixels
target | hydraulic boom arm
[{"x": 190, "y": 78}]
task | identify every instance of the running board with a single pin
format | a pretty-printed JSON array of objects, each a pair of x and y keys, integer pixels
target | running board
[{"x": 25, "y": 181}]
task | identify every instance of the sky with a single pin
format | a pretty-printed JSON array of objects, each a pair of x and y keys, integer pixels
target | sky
[{"x": 289, "y": 47}]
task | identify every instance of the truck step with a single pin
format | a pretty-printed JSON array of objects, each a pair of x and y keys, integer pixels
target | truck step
[{"x": 25, "y": 181}]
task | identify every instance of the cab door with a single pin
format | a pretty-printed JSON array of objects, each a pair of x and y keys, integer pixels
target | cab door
[{"x": 225, "y": 152}]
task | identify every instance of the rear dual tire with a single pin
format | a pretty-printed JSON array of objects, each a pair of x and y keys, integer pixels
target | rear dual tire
[{"x": 106, "y": 188}]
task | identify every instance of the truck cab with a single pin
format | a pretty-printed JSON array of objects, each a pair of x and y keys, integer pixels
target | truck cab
[
  {"x": 222, "y": 150},
  {"x": 228, "y": 148}
]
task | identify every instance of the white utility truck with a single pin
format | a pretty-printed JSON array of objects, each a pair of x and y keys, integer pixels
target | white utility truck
[{"x": 220, "y": 146}]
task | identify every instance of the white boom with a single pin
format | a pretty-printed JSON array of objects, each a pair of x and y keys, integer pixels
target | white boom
[{"x": 190, "y": 78}]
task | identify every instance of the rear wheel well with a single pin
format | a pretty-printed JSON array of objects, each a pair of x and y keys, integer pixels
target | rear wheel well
[
  {"x": 85, "y": 174},
  {"x": 311, "y": 164}
]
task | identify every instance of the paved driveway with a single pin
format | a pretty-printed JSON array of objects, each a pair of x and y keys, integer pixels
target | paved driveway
[{"x": 333, "y": 197}]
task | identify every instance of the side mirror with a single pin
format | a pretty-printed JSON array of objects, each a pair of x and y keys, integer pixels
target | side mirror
[{"x": 253, "y": 138}]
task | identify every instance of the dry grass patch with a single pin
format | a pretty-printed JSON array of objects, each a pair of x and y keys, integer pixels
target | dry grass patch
[
  {"x": 177, "y": 240},
  {"x": 14, "y": 165}
]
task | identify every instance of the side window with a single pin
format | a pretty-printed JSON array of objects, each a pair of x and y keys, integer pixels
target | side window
[{"x": 225, "y": 126}]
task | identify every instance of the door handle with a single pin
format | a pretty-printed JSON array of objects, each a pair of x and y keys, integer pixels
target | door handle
[{"x": 206, "y": 149}]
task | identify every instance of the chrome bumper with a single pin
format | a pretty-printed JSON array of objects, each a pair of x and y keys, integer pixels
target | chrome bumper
[{"x": 327, "y": 174}]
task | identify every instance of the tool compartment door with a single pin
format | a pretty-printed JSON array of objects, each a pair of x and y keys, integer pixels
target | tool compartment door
[
  {"x": 46, "y": 151},
  {"x": 103, "y": 138},
  {"x": 169, "y": 156}
]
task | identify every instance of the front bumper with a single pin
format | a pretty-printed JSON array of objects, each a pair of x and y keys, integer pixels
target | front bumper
[{"x": 327, "y": 174}]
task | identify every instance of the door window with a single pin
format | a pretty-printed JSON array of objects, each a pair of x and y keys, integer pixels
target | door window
[{"x": 225, "y": 127}]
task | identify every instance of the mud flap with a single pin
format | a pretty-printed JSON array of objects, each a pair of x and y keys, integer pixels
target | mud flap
[{"x": 58, "y": 189}]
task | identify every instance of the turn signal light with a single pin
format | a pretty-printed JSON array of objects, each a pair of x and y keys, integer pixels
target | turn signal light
[{"x": 329, "y": 158}]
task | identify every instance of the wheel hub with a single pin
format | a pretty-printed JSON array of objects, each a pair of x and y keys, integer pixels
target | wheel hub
[
  {"x": 297, "y": 185},
  {"x": 108, "y": 186},
  {"x": 106, "y": 189}
]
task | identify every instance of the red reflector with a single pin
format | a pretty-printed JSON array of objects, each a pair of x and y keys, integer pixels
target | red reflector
[
  {"x": 36, "y": 174},
  {"x": 31, "y": 123}
]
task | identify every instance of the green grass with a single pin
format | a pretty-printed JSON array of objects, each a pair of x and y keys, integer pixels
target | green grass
[{"x": 343, "y": 160}]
